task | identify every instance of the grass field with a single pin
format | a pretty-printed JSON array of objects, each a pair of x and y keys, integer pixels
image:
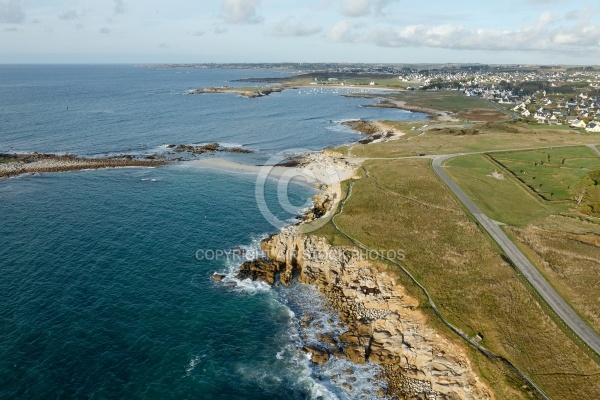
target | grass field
[
  {"x": 496, "y": 136},
  {"x": 551, "y": 173},
  {"x": 403, "y": 205},
  {"x": 505, "y": 200},
  {"x": 544, "y": 127},
  {"x": 565, "y": 249},
  {"x": 570, "y": 260},
  {"x": 453, "y": 101}
]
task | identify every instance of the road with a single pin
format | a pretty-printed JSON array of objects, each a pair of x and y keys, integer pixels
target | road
[
  {"x": 513, "y": 116},
  {"x": 594, "y": 148},
  {"x": 528, "y": 270}
]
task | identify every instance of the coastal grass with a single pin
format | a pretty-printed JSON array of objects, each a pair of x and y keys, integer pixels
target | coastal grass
[
  {"x": 550, "y": 173},
  {"x": 547, "y": 127},
  {"x": 570, "y": 261},
  {"x": 501, "y": 198},
  {"x": 565, "y": 249},
  {"x": 452, "y": 101},
  {"x": 4, "y": 160},
  {"x": 403, "y": 205},
  {"x": 490, "y": 137}
]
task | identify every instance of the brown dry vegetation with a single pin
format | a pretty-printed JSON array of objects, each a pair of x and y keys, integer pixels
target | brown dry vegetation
[
  {"x": 403, "y": 205},
  {"x": 484, "y": 115},
  {"x": 571, "y": 261}
]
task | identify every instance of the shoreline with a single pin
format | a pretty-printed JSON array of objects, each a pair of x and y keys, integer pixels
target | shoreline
[
  {"x": 68, "y": 163},
  {"x": 12, "y": 165},
  {"x": 382, "y": 324},
  {"x": 261, "y": 91}
]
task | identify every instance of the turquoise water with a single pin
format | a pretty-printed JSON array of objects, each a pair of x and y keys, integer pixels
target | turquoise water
[{"x": 102, "y": 293}]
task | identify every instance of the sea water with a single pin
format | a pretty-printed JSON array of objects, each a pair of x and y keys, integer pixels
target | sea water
[{"x": 106, "y": 288}]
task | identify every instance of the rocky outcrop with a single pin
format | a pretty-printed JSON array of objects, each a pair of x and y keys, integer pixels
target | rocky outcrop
[
  {"x": 383, "y": 322},
  {"x": 206, "y": 148},
  {"x": 263, "y": 270},
  {"x": 375, "y": 131},
  {"x": 245, "y": 92},
  {"x": 39, "y": 163}
]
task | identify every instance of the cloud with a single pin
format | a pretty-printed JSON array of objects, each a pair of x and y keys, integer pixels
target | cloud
[
  {"x": 361, "y": 8},
  {"x": 104, "y": 30},
  {"x": 345, "y": 31},
  {"x": 548, "y": 33},
  {"x": 163, "y": 46},
  {"x": 11, "y": 30},
  {"x": 69, "y": 15},
  {"x": 241, "y": 11},
  {"x": 289, "y": 28},
  {"x": 199, "y": 33},
  {"x": 11, "y": 12},
  {"x": 119, "y": 7},
  {"x": 220, "y": 30}
]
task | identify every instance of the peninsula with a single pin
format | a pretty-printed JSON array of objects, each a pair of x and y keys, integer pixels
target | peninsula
[{"x": 455, "y": 314}]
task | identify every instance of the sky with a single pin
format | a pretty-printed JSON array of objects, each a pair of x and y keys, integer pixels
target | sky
[{"x": 368, "y": 31}]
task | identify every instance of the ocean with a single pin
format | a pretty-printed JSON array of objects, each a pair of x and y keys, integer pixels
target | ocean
[{"x": 106, "y": 288}]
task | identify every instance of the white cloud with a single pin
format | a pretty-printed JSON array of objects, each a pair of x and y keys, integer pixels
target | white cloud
[
  {"x": 220, "y": 30},
  {"x": 345, "y": 31},
  {"x": 104, "y": 30},
  {"x": 241, "y": 11},
  {"x": 11, "y": 12},
  {"x": 288, "y": 27},
  {"x": 361, "y": 8},
  {"x": 199, "y": 33},
  {"x": 549, "y": 33}
]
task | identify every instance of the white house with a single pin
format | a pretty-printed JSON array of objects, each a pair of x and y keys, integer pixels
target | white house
[
  {"x": 593, "y": 127},
  {"x": 578, "y": 124}
]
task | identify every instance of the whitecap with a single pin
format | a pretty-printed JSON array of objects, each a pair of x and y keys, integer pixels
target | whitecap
[{"x": 194, "y": 361}]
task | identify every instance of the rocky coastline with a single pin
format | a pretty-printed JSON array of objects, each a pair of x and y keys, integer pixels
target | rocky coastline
[
  {"x": 382, "y": 323},
  {"x": 244, "y": 92},
  {"x": 19, "y": 164},
  {"x": 16, "y": 164},
  {"x": 374, "y": 131}
]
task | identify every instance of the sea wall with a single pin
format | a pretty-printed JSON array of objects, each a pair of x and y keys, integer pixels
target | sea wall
[{"x": 384, "y": 324}]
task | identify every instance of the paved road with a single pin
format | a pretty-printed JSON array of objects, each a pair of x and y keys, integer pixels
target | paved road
[
  {"x": 594, "y": 148},
  {"x": 530, "y": 272},
  {"x": 513, "y": 116}
]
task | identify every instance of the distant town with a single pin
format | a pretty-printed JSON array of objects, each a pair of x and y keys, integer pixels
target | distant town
[{"x": 550, "y": 95}]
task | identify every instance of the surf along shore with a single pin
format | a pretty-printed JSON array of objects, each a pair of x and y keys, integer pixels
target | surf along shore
[
  {"x": 12, "y": 165},
  {"x": 382, "y": 323}
]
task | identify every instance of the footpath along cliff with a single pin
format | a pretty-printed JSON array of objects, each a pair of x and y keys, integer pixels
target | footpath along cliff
[{"x": 383, "y": 323}]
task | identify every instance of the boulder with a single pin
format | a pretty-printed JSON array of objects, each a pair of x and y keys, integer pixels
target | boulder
[
  {"x": 261, "y": 269},
  {"x": 217, "y": 277},
  {"x": 317, "y": 355}
]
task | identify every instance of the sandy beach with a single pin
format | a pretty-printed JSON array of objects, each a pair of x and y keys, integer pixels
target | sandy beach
[{"x": 324, "y": 170}]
